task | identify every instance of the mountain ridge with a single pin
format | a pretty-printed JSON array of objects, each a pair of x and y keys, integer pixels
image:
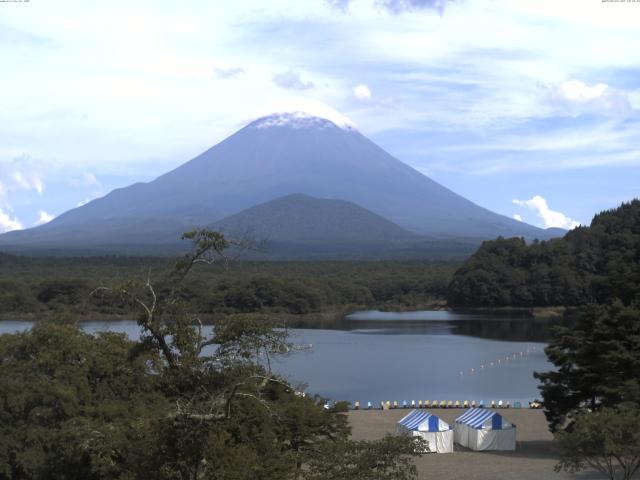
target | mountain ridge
[{"x": 300, "y": 217}]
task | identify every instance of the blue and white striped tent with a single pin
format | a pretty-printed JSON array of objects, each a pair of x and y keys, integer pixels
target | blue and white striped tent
[
  {"x": 437, "y": 433},
  {"x": 482, "y": 429}
]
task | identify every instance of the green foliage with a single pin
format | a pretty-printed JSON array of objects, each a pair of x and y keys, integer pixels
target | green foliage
[
  {"x": 590, "y": 264},
  {"x": 178, "y": 404},
  {"x": 366, "y": 460},
  {"x": 607, "y": 440},
  {"x": 70, "y": 403},
  {"x": 597, "y": 363}
]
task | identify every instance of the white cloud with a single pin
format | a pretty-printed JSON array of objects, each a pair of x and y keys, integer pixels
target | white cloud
[
  {"x": 517, "y": 217},
  {"x": 85, "y": 179},
  {"x": 395, "y": 6},
  {"x": 8, "y": 223},
  {"x": 21, "y": 173},
  {"x": 577, "y": 97},
  {"x": 27, "y": 181},
  {"x": 342, "y": 5},
  {"x": 362, "y": 92},
  {"x": 43, "y": 217},
  {"x": 550, "y": 217},
  {"x": 577, "y": 91},
  {"x": 399, "y": 6},
  {"x": 292, "y": 81},
  {"x": 228, "y": 72}
]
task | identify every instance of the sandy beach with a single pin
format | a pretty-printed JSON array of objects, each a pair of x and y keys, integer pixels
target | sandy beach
[{"x": 534, "y": 458}]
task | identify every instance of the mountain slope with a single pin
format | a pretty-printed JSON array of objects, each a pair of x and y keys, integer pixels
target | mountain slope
[
  {"x": 301, "y": 218},
  {"x": 298, "y": 226},
  {"x": 273, "y": 157}
]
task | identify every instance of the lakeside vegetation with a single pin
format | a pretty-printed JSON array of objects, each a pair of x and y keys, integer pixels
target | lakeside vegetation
[
  {"x": 39, "y": 287},
  {"x": 80, "y": 406}
]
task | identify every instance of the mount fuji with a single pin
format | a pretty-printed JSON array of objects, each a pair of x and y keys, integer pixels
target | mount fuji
[{"x": 276, "y": 156}]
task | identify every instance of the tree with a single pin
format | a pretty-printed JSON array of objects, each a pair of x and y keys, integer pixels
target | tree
[
  {"x": 184, "y": 402},
  {"x": 244, "y": 414},
  {"x": 597, "y": 363},
  {"x": 607, "y": 440},
  {"x": 72, "y": 405}
]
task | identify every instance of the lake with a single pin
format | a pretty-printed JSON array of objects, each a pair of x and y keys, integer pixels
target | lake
[{"x": 431, "y": 355}]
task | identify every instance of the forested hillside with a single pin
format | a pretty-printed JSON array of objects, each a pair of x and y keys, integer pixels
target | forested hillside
[{"x": 589, "y": 264}]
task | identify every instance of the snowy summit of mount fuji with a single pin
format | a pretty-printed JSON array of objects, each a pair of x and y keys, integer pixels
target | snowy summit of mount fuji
[{"x": 301, "y": 114}]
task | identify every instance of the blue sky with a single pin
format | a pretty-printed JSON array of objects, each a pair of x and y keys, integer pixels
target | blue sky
[{"x": 528, "y": 108}]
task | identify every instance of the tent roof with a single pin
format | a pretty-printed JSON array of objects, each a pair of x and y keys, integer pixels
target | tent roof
[
  {"x": 417, "y": 420},
  {"x": 480, "y": 417}
]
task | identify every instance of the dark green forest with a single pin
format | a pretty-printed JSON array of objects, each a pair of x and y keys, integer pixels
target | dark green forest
[
  {"x": 80, "y": 406},
  {"x": 38, "y": 287},
  {"x": 589, "y": 264}
]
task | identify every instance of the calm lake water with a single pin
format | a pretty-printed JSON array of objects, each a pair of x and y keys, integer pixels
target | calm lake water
[{"x": 431, "y": 355}]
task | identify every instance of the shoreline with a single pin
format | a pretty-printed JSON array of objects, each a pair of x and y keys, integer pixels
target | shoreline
[{"x": 314, "y": 318}]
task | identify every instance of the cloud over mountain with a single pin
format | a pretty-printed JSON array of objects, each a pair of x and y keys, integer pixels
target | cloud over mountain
[
  {"x": 464, "y": 85},
  {"x": 291, "y": 80},
  {"x": 8, "y": 223},
  {"x": 575, "y": 97},
  {"x": 362, "y": 92},
  {"x": 43, "y": 217},
  {"x": 550, "y": 218}
]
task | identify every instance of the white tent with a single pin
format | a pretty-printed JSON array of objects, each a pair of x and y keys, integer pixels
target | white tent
[
  {"x": 437, "y": 433},
  {"x": 480, "y": 429}
]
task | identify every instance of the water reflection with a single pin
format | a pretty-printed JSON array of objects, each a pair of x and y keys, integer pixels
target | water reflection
[
  {"x": 514, "y": 326},
  {"x": 435, "y": 355},
  {"x": 373, "y": 356}
]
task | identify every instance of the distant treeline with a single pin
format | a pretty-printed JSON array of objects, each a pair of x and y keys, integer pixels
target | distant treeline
[
  {"x": 589, "y": 264},
  {"x": 41, "y": 286}
]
